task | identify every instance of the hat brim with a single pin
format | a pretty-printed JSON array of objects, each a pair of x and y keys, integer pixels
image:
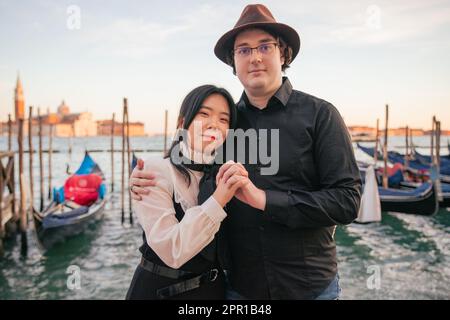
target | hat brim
[{"x": 226, "y": 42}]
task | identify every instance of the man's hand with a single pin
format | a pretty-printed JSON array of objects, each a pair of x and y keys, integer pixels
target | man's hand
[{"x": 139, "y": 180}]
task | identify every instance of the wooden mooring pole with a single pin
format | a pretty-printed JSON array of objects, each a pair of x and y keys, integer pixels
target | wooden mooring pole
[
  {"x": 407, "y": 147},
  {"x": 438, "y": 144},
  {"x": 30, "y": 154},
  {"x": 112, "y": 151},
  {"x": 23, "y": 218},
  {"x": 50, "y": 151},
  {"x": 9, "y": 133},
  {"x": 41, "y": 164},
  {"x": 123, "y": 160},
  {"x": 433, "y": 134},
  {"x": 129, "y": 166},
  {"x": 377, "y": 138},
  {"x": 385, "y": 151},
  {"x": 166, "y": 115}
]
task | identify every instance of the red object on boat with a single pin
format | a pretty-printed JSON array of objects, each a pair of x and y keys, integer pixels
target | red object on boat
[
  {"x": 82, "y": 189},
  {"x": 391, "y": 170}
]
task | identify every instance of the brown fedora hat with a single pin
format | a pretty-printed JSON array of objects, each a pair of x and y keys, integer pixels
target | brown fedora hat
[{"x": 254, "y": 16}]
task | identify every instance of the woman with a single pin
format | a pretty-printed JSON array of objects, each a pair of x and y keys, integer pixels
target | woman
[{"x": 182, "y": 215}]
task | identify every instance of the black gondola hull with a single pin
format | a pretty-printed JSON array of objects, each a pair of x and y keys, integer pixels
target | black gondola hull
[
  {"x": 445, "y": 203},
  {"x": 47, "y": 237},
  {"x": 426, "y": 205}
]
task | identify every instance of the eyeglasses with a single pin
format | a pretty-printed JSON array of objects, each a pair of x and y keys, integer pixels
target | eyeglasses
[{"x": 264, "y": 49}]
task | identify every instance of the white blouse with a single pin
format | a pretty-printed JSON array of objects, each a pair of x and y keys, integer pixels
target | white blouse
[{"x": 176, "y": 242}]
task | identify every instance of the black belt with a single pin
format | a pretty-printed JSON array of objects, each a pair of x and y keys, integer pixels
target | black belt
[{"x": 180, "y": 287}]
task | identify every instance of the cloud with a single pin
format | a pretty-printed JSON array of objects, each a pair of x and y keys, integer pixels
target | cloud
[
  {"x": 381, "y": 23},
  {"x": 132, "y": 38},
  {"x": 394, "y": 26},
  {"x": 137, "y": 38}
]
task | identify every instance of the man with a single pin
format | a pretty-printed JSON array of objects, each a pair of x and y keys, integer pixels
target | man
[{"x": 282, "y": 244}]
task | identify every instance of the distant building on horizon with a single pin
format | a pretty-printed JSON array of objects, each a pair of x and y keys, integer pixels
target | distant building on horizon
[
  {"x": 64, "y": 123},
  {"x": 365, "y": 131},
  {"x": 104, "y": 128}
]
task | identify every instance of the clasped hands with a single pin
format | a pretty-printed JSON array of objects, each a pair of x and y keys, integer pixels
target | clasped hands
[{"x": 231, "y": 180}]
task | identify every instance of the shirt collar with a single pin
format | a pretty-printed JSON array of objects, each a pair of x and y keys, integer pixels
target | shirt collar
[{"x": 282, "y": 95}]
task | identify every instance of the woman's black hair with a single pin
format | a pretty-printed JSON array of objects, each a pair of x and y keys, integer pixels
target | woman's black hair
[{"x": 191, "y": 105}]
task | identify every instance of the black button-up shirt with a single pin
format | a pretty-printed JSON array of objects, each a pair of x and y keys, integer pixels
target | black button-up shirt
[{"x": 288, "y": 251}]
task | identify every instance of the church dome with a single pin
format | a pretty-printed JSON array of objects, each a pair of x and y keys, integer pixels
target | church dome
[{"x": 63, "y": 109}]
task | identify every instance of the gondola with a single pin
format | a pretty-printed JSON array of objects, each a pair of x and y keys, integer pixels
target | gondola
[
  {"x": 396, "y": 180},
  {"x": 414, "y": 166},
  {"x": 424, "y": 159},
  {"x": 445, "y": 189},
  {"x": 444, "y": 194},
  {"x": 444, "y": 170},
  {"x": 64, "y": 218},
  {"x": 370, "y": 151},
  {"x": 422, "y": 200},
  {"x": 395, "y": 157}
]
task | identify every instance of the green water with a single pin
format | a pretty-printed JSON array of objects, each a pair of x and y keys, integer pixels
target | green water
[{"x": 411, "y": 253}]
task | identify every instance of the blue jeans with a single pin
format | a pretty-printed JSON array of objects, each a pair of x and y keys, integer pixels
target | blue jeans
[{"x": 332, "y": 292}]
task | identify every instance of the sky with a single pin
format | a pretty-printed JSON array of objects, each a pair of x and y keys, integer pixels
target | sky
[{"x": 358, "y": 55}]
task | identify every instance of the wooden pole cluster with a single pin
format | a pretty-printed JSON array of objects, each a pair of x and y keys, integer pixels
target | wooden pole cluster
[{"x": 8, "y": 209}]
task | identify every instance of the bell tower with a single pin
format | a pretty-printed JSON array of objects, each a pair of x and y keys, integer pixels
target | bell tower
[{"x": 19, "y": 101}]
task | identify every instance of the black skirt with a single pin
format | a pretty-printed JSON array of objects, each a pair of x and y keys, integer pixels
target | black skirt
[{"x": 145, "y": 285}]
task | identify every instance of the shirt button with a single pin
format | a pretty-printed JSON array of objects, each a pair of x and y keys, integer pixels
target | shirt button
[{"x": 289, "y": 192}]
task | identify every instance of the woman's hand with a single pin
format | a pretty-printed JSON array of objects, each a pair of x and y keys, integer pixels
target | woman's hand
[
  {"x": 248, "y": 192},
  {"x": 226, "y": 190},
  {"x": 139, "y": 180}
]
